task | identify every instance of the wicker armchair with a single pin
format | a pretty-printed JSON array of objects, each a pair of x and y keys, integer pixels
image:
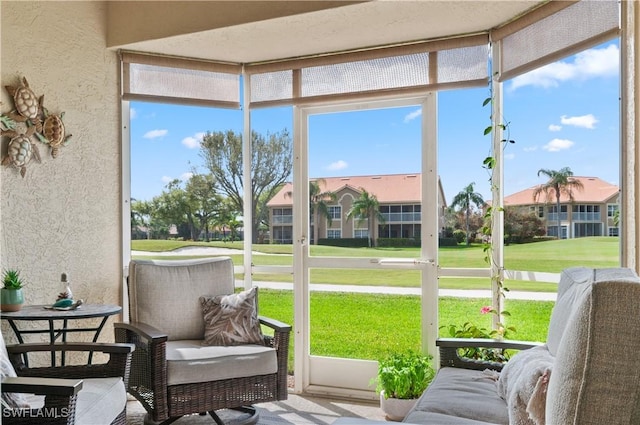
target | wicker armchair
[
  {"x": 173, "y": 373},
  {"x": 73, "y": 394}
]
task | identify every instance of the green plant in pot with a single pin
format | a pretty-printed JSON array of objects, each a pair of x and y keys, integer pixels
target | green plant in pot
[
  {"x": 11, "y": 292},
  {"x": 401, "y": 380}
]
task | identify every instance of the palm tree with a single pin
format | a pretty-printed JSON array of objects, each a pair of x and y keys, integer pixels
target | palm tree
[
  {"x": 465, "y": 199},
  {"x": 319, "y": 203},
  {"x": 560, "y": 182},
  {"x": 366, "y": 207}
]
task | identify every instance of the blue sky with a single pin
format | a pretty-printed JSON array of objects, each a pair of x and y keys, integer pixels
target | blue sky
[{"x": 565, "y": 114}]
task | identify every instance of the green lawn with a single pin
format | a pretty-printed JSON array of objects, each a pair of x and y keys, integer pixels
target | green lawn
[
  {"x": 371, "y": 326},
  {"x": 549, "y": 256}
]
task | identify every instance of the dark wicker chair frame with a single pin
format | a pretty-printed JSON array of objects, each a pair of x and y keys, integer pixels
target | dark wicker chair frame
[
  {"x": 166, "y": 404},
  {"x": 450, "y": 357},
  {"x": 61, "y": 384}
]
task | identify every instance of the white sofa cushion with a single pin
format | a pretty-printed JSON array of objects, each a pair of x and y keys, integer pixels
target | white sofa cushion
[
  {"x": 189, "y": 361},
  {"x": 160, "y": 296},
  {"x": 460, "y": 396},
  {"x": 99, "y": 402}
]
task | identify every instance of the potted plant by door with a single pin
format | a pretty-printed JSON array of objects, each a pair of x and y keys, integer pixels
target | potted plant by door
[
  {"x": 11, "y": 292},
  {"x": 401, "y": 380}
]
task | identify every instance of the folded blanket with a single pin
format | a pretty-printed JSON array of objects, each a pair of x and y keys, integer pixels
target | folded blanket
[{"x": 522, "y": 384}]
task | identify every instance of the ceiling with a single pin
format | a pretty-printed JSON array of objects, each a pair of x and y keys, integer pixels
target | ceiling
[{"x": 249, "y": 32}]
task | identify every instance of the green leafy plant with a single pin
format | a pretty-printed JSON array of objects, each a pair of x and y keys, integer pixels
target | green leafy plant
[
  {"x": 470, "y": 330},
  {"x": 11, "y": 279},
  {"x": 405, "y": 375}
]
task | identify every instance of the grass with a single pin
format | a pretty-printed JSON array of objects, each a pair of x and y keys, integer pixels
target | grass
[
  {"x": 549, "y": 256},
  {"x": 371, "y": 326}
]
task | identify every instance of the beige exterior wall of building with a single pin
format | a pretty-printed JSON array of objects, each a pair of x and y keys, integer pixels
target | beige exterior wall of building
[{"x": 64, "y": 215}]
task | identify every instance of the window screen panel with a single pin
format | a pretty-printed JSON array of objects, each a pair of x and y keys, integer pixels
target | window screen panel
[
  {"x": 272, "y": 86},
  {"x": 185, "y": 83},
  {"x": 359, "y": 76},
  {"x": 179, "y": 80},
  {"x": 566, "y": 31},
  {"x": 463, "y": 64}
]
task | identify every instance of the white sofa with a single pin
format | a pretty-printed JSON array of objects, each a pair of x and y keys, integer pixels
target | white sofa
[{"x": 586, "y": 373}]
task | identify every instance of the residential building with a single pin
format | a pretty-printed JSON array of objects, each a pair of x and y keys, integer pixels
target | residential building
[
  {"x": 399, "y": 197},
  {"x": 590, "y": 213}
]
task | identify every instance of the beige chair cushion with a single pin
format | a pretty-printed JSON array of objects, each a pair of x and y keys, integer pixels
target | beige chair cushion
[
  {"x": 165, "y": 294},
  {"x": 232, "y": 319},
  {"x": 596, "y": 377},
  {"x": 190, "y": 361}
]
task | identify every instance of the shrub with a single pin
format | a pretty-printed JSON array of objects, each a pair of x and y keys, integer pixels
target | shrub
[{"x": 460, "y": 235}]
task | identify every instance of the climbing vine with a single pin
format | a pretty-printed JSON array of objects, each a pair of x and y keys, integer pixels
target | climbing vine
[{"x": 489, "y": 164}]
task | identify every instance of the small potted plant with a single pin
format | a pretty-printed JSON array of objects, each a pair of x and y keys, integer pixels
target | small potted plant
[
  {"x": 401, "y": 380},
  {"x": 11, "y": 292}
]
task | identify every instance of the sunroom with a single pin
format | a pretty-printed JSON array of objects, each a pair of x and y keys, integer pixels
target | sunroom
[{"x": 315, "y": 59}]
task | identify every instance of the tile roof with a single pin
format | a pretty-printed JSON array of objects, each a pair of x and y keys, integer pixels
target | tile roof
[
  {"x": 388, "y": 188},
  {"x": 595, "y": 190}
]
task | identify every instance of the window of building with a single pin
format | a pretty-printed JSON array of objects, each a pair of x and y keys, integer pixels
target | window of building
[
  {"x": 334, "y": 234},
  {"x": 361, "y": 233},
  {"x": 282, "y": 234},
  {"x": 282, "y": 216},
  {"x": 553, "y": 231},
  {"x": 614, "y": 231},
  {"x": 552, "y": 213},
  {"x": 335, "y": 212},
  {"x": 611, "y": 210},
  {"x": 586, "y": 212},
  {"x": 587, "y": 229}
]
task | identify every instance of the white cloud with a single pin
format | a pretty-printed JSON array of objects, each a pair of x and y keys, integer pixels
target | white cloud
[
  {"x": 132, "y": 113},
  {"x": 509, "y": 156},
  {"x": 166, "y": 179},
  {"x": 555, "y": 127},
  {"x": 413, "y": 115},
  {"x": 338, "y": 165},
  {"x": 530, "y": 148},
  {"x": 186, "y": 176},
  {"x": 154, "y": 134},
  {"x": 558, "y": 145},
  {"x": 193, "y": 142},
  {"x": 588, "y": 64},
  {"x": 585, "y": 121}
]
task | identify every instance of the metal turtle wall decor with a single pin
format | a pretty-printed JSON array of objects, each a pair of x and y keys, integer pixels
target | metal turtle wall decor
[
  {"x": 20, "y": 149},
  {"x": 27, "y": 119},
  {"x": 53, "y": 131}
]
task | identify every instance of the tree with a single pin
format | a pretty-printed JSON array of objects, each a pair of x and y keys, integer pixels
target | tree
[
  {"x": 366, "y": 207},
  {"x": 465, "y": 200},
  {"x": 271, "y": 166},
  {"x": 140, "y": 217},
  {"x": 203, "y": 202},
  {"x": 521, "y": 227},
  {"x": 227, "y": 219},
  {"x": 560, "y": 183},
  {"x": 319, "y": 202},
  {"x": 191, "y": 208}
]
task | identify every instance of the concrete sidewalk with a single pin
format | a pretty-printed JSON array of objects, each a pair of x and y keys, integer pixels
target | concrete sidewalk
[{"x": 459, "y": 293}]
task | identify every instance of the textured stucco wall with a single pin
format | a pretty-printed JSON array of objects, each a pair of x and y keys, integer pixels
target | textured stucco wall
[{"x": 64, "y": 215}]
